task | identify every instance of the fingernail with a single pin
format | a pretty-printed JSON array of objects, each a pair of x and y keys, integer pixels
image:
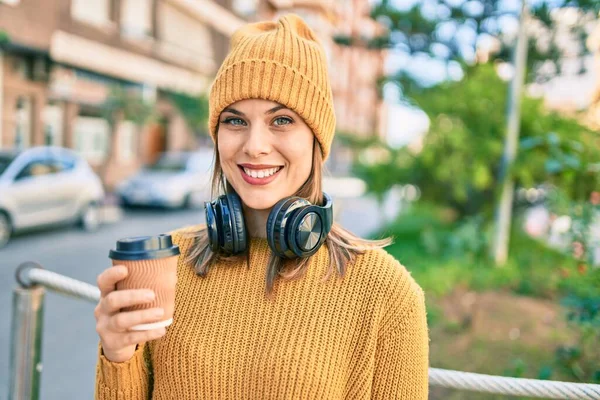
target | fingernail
[{"x": 149, "y": 295}]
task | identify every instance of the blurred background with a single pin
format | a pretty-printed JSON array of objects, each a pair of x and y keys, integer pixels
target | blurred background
[{"x": 467, "y": 129}]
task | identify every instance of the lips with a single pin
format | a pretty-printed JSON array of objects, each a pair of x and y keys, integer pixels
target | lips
[{"x": 259, "y": 174}]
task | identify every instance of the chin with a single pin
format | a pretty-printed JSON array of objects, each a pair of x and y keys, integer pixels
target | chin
[
  {"x": 257, "y": 198},
  {"x": 258, "y": 201}
]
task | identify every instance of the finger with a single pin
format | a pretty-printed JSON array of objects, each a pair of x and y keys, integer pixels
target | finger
[
  {"x": 118, "y": 299},
  {"x": 123, "y": 321},
  {"x": 108, "y": 279},
  {"x": 137, "y": 337}
]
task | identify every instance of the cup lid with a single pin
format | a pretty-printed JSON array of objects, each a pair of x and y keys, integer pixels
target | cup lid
[{"x": 144, "y": 248}]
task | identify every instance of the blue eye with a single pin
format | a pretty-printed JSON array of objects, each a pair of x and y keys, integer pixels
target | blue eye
[
  {"x": 234, "y": 121},
  {"x": 280, "y": 121}
]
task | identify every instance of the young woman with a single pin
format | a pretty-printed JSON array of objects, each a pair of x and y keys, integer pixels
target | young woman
[{"x": 273, "y": 301}]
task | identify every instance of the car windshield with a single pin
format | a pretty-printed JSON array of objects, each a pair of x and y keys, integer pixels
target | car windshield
[
  {"x": 168, "y": 164},
  {"x": 5, "y": 161}
]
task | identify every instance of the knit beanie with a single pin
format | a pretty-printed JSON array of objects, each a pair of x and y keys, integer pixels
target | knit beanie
[{"x": 282, "y": 62}]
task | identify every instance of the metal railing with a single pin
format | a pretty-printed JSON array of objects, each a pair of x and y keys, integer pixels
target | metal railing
[{"x": 25, "y": 359}]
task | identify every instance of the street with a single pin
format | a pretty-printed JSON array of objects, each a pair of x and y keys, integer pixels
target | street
[{"x": 69, "y": 338}]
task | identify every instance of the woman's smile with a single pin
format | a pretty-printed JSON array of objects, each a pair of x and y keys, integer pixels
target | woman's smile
[{"x": 259, "y": 174}]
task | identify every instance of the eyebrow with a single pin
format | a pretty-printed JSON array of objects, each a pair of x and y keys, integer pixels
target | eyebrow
[
  {"x": 241, "y": 114},
  {"x": 275, "y": 109}
]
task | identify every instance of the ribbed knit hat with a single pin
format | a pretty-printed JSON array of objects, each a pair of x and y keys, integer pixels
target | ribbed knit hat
[{"x": 279, "y": 61}]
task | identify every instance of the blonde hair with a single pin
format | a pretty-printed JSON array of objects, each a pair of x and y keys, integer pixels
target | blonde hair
[{"x": 342, "y": 245}]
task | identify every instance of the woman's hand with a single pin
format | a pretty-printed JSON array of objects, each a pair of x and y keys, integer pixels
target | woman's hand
[{"x": 113, "y": 325}]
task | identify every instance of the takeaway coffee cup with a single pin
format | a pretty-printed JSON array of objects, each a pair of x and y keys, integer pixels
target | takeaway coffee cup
[{"x": 152, "y": 264}]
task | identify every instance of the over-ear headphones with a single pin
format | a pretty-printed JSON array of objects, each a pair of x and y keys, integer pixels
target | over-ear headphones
[{"x": 295, "y": 227}]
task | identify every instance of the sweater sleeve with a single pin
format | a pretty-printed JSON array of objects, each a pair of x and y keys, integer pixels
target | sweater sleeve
[
  {"x": 129, "y": 380},
  {"x": 402, "y": 354}
]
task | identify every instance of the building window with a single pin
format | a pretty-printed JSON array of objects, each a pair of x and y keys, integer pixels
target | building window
[
  {"x": 53, "y": 124},
  {"x": 136, "y": 18},
  {"x": 23, "y": 123},
  {"x": 91, "y": 139},
  {"x": 127, "y": 139},
  {"x": 184, "y": 39},
  {"x": 95, "y": 12}
]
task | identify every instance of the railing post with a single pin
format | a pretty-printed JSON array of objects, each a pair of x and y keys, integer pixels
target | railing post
[{"x": 26, "y": 342}]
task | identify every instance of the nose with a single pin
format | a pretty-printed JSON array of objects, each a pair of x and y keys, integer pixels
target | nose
[{"x": 257, "y": 142}]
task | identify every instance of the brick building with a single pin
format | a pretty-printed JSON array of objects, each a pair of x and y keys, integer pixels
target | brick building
[{"x": 60, "y": 59}]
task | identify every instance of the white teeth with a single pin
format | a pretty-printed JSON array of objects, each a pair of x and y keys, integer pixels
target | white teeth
[{"x": 261, "y": 173}]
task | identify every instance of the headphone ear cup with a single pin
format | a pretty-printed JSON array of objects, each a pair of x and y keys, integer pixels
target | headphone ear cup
[
  {"x": 306, "y": 231},
  {"x": 211, "y": 226},
  {"x": 273, "y": 235},
  {"x": 238, "y": 224},
  {"x": 278, "y": 225}
]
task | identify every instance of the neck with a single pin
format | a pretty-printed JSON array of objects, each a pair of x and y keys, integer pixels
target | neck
[{"x": 256, "y": 222}]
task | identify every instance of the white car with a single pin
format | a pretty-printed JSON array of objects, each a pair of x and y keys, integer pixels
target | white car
[
  {"x": 44, "y": 186},
  {"x": 175, "y": 180}
]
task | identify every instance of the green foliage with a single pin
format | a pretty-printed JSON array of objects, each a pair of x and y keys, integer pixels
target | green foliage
[
  {"x": 424, "y": 238},
  {"x": 4, "y": 38},
  {"x": 194, "y": 109},
  {"x": 374, "y": 162},
  {"x": 378, "y": 177},
  {"x": 343, "y": 40},
  {"x": 133, "y": 108},
  {"x": 517, "y": 369},
  {"x": 419, "y": 30},
  {"x": 128, "y": 104},
  {"x": 568, "y": 159},
  {"x": 582, "y": 359},
  {"x": 459, "y": 164}
]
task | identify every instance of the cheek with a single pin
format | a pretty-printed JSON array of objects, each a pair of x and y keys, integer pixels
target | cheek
[
  {"x": 226, "y": 148},
  {"x": 302, "y": 161}
]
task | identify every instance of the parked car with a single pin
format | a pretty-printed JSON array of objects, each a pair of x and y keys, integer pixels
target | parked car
[
  {"x": 47, "y": 185},
  {"x": 175, "y": 180}
]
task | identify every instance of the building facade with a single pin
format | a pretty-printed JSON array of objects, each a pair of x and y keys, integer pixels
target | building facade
[{"x": 58, "y": 75}]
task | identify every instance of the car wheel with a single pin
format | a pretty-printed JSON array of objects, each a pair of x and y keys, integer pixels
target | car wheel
[
  {"x": 5, "y": 229},
  {"x": 90, "y": 217}
]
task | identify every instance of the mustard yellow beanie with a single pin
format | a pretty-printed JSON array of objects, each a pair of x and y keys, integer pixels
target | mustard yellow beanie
[{"x": 282, "y": 62}]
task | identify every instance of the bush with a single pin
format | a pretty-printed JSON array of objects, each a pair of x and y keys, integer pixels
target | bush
[{"x": 442, "y": 253}]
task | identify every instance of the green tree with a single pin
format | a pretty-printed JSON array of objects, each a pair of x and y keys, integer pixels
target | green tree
[
  {"x": 4, "y": 38},
  {"x": 450, "y": 32},
  {"x": 194, "y": 110},
  {"x": 461, "y": 154},
  {"x": 123, "y": 105}
]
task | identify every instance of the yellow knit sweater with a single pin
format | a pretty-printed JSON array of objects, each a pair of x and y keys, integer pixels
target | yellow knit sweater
[{"x": 361, "y": 337}]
